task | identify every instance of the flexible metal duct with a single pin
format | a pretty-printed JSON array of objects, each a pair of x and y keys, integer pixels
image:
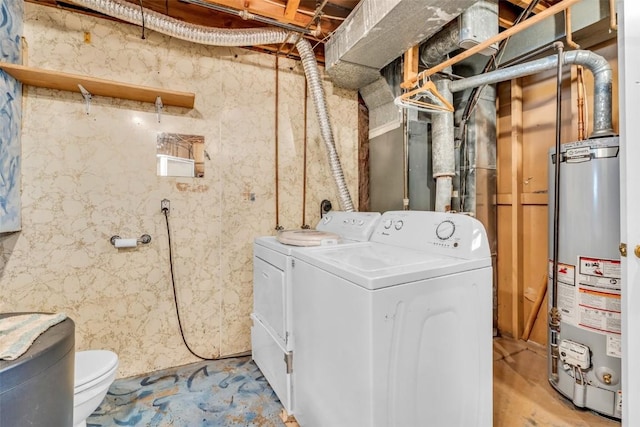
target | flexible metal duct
[
  {"x": 599, "y": 67},
  {"x": 241, "y": 37}
]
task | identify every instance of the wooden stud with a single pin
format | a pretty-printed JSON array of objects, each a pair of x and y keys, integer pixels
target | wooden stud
[{"x": 516, "y": 209}]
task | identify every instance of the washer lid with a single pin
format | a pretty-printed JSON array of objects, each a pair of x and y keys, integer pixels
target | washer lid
[
  {"x": 307, "y": 237},
  {"x": 93, "y": 364}
]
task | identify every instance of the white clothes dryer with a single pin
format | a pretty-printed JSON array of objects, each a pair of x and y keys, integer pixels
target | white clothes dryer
[
  {"x": 272, "y": 336},
  {"x": 396, "y": 331}
]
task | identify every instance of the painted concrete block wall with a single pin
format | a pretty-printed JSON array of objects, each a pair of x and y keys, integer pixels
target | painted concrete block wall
[
  {"x": 10, "y": 116},
  {"x": 87, "y": 177}
]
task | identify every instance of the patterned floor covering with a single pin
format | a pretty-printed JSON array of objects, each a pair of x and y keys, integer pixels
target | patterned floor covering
[{"x": 228, "y": 392}]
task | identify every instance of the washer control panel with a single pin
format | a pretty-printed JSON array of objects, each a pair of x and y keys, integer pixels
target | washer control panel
[
  {"x": 356, "y": 226},
  {"x": 445, "y": 233}
]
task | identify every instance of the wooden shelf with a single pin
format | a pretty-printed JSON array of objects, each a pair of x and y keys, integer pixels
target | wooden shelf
[{"x": 97, "y": 87}]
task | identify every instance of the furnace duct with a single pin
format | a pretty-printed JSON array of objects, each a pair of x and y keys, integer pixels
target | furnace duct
[{"x": 236, "y": 38}]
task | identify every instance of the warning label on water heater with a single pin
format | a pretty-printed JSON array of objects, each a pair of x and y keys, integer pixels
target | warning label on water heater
[
  {"x": 589, "y": 297},
  {"x": 599, "y": 299}
]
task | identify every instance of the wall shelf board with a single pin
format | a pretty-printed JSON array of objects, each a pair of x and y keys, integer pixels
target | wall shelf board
[{"x": 97, "y": 87}]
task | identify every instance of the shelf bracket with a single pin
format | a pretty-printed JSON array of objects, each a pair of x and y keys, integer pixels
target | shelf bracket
[
  {"x": 159, "y": 106},
  {"x": 87, "y": 97}
]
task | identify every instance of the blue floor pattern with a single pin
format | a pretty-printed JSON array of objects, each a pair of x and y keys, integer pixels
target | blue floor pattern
[{"x": 226, "y": 393}]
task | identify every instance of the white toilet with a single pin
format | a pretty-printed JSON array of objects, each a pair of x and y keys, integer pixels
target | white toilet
[{"x": 95, "y": 370}]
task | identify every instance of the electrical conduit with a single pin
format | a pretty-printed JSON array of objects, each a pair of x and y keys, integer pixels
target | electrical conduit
[{"x": 236, "y": 38}]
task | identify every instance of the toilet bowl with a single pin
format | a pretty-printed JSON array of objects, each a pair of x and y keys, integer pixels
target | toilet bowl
[{"x": 95, "y": 371}]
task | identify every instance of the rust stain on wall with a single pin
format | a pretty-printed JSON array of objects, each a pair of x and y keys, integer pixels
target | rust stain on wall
[{"x": 192, "y": 188}]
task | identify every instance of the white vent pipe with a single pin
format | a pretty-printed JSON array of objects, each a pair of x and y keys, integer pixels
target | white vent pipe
[{"x": 238, "y": 37}]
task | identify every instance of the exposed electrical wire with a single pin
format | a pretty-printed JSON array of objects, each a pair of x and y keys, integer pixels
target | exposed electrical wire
[
  {"x": 306, "y": 12},
  {"x": 165, "y": 211},
  {"x": 142, "y": 12}
]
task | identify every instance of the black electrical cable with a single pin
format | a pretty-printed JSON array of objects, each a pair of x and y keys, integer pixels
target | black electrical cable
[
  {"x": 142, "y": 12},
  {"x": 175, "y": 294},
  {"x": 175, "y": 300}
]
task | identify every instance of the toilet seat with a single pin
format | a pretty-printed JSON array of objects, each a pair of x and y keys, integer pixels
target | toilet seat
[{"x": 91, "y": 367}]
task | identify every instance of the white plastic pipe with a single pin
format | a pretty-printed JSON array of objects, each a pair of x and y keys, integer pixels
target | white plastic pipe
[{"x": 238, "y": 37}]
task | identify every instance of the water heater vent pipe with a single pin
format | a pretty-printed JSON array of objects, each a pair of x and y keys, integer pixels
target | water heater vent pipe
[{"x": 599, "y": 67}]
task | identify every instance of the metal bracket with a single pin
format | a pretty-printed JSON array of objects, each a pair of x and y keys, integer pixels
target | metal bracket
[
  {"x": 87, "y": 97},
  {"x": 159, "y": 106}
]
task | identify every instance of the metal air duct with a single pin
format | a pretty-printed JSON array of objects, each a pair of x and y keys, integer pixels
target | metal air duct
[{"x": 379, "y": 31}]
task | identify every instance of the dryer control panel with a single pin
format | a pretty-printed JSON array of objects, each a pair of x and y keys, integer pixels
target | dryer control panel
[
  {"x": 356, "y": 226},
  {"x": 456, "y": 235}
]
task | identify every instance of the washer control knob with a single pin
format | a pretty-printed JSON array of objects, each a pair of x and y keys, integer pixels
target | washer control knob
[
  {"x": 445, "y": 229},
  {"x": 360, "y": 222},
  {"x": 327, "y": 219},
  {"x": 387, "y": 224},
  {"x": 399, "y": 224}
]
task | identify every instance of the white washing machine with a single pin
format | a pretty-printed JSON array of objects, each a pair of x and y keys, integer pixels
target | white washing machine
[
  {"x": 272, "y": 336},
  {"x": 396, "y": 331}
]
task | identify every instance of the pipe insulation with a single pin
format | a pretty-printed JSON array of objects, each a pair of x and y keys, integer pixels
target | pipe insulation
[
  {"x": 200, "y": 34},
  {"x": 443, "y": 148},
  {"x": 599, "y": 67}
]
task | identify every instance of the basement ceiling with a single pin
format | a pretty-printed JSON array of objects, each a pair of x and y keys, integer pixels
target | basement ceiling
[{"x": 315, "y": 19}]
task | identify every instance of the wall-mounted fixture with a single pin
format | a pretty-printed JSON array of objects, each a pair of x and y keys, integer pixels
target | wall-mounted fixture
[{"x": 119, "y": 242}]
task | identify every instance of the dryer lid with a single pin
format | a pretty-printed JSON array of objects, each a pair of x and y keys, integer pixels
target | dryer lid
[{"x": 307, "y": 237}]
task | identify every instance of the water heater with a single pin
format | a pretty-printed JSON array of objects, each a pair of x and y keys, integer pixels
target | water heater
[{"x": 585, "y": 364}]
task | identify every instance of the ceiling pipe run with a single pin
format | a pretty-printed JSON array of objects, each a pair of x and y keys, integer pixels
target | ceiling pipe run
[{"x": 133, "y": 14}]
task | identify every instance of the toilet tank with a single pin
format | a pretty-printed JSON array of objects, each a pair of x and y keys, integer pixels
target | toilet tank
[{"x": 36, "y": 389}]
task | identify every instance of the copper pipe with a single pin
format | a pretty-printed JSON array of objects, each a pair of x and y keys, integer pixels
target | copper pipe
[
  {"x": 567, "y": 26},
  {"x": 304, "y": 161},
  {"x": 580, "y": 78},
  {"x": 278, "y": 227},
  {"x": 613, "y": 21}
]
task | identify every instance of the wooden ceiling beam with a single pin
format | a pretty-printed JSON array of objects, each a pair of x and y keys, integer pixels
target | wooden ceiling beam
[
  {"x": 268, "y": 10},
  {"x": 291, "y": 9}
]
